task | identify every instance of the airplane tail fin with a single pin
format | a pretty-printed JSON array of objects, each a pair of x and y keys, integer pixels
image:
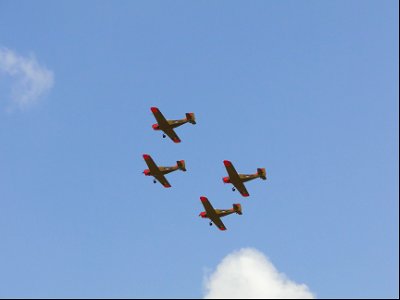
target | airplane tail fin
[
  {"x": 191, "y": 118},
  {"x": 237, "y": 208},
  {"x": 262, "y": 173},
  {"x": 181, "y": 165}
]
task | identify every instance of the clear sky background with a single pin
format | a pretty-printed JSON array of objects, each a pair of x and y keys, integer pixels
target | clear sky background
[{"x": 306, "y": 89}]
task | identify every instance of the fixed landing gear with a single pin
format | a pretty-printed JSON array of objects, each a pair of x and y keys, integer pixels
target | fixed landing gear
[
  {"x": 233, "y": 189},
  {"x": 164, "y": 136},
  {"x": 154, "y": 181},
  {"x": 210, "y": 223}
]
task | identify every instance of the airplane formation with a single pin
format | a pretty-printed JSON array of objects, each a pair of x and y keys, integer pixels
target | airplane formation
[{"x": 159, "y": 172}]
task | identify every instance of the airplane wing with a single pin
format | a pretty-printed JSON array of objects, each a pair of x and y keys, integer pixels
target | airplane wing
[
  {"x": 155, "y": 171},
  {"x": 235, "y": 179},
  {"x": 211, "y": 214},
  {"x": 172, "y": 135},
  {"x": 164, "y": 126}
]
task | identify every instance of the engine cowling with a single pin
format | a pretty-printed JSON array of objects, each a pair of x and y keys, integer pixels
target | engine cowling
[
  {"x": 146, "y": 172},
  {"x": 203, "y": 214},
  {"x": 156, "y": 127},
  {"x": 226, "y": 180}
]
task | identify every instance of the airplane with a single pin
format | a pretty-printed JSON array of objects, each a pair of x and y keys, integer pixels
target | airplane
[
  {"x": 159, "y": 172},
  {"x": 238, "y": 179},
  {"x": 215, "y": 215},
  {"x": 168, "y": 125}
]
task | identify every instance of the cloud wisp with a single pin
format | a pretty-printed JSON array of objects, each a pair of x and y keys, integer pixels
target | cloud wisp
[
  {"x": 248, "y": 273},
  {"x": 29, "y": 80}
]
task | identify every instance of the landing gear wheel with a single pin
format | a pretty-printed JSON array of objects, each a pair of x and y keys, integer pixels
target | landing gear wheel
[
  {"x": 154, "y": 181},
  {"x": 233, "y": 189},
  {"x": 164, "y": 136},
  {"x": 210, "y": 223}
]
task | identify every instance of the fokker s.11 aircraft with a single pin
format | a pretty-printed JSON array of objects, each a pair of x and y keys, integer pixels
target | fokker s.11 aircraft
[
  {"x": 159, "y": 172},
  {"x": 238, "y": 179},
  {"x": 168, "y": 125},
  {"x": 215, "y": 215}
]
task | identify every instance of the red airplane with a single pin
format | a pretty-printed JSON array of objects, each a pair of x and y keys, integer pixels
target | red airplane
[
  {"x": 159, "y": 172},
  {"x": 168, "y": 125},
  {"x": 238, "y": 179},
  {"x": 215, "y": 215}
]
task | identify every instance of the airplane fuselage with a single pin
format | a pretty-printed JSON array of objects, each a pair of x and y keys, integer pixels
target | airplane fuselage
[
  {"x": 171, "y": 124},
  {"x": 220, "y": 212},
  {"x": 166, "y": 170},
  {"x": 248, "y": 177},
  {"x": 242, "y": 177},
  {"x": 163, "y": 170}
]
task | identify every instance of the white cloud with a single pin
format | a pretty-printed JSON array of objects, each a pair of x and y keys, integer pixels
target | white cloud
[
  {"x": 29, "y": 79},
  {"x": 248, "y": 273}
]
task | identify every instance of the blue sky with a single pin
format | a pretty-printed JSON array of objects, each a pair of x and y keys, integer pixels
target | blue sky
[{"x": 306, "y": 89}]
